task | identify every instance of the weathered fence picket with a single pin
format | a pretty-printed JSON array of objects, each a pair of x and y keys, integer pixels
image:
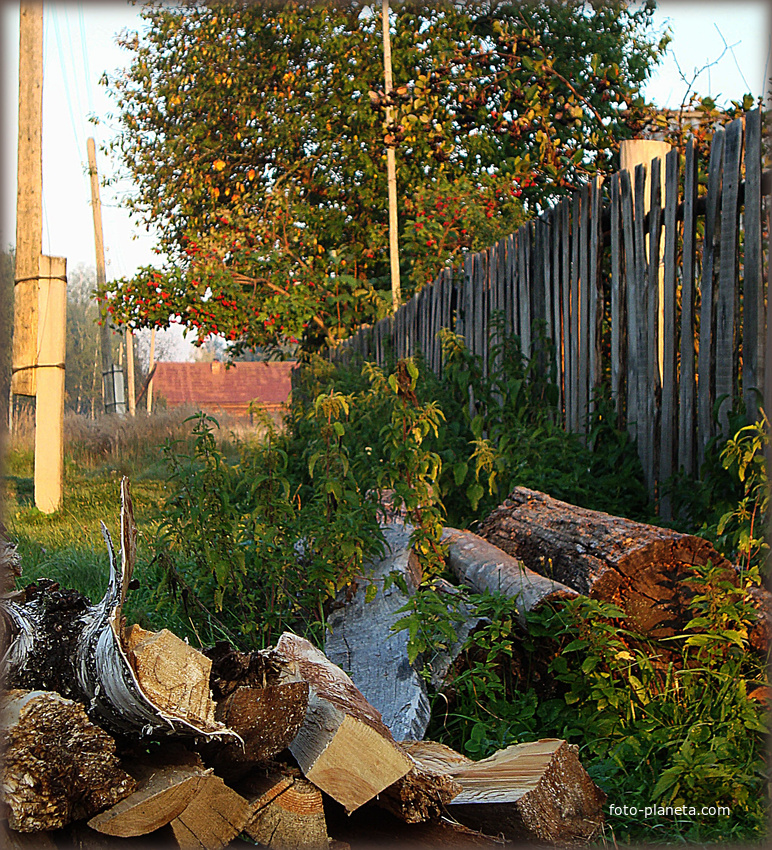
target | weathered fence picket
[{"x": 646, "y": 285}]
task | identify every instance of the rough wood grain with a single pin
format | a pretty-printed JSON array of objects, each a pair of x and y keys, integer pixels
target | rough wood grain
[
  {"x": 58, "y": 766},
  {"x": 174, "y": 675},
  {"x": 163, "y": 795},
  {"x": 287, "y": 813},
  {"x": 484, "y": 566},
  {"x": 637, "y": 566},
  {"x": 360, "y": 640},
  {"x": 213, "y": 818},
  {"x": 535, "y": 792},
  {"x": 343, "y": 747}
]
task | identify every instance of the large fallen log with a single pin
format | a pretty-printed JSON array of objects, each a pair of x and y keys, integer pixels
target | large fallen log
[
  {"x": 58, "y": 766},
  {"x": 343, "y": 747},
  {"x": 485, "y": 567},
  {"x": 536, "y": 792},
  {"x": 639, "y": 567},
  {"x": 360, "y": 640}
]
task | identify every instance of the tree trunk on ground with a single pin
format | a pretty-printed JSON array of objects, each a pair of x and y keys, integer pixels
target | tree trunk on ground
[
  {"x": 58, "y": 766},
  {"x": 343, "y": 746},
  {"x": 639, "y": 567},
  {"x": 483, "y": 566},
  {"x": 361, "y": 642},
  {"x": 535, "y": 792}
]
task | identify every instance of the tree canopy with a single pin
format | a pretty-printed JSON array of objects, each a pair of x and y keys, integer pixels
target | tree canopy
[{"x": 256, "y": 136}]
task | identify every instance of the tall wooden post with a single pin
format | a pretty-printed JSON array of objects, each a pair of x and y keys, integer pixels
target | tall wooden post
[
  {"x": 29, "y": 198},
  {"x": 108, "y": 387},
  {"x": 151, "y": 366},
  {"x": 391, "y": 170},
  {"x": 130, "y": 389},
  {"x": 49, "y": 409}
]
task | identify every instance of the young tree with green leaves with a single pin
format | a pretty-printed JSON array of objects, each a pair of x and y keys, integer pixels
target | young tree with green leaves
[{"x": 256, "y": 135}]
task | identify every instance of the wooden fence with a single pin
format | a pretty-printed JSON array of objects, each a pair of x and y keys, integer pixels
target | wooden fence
[{"x": 667, "y": 307}]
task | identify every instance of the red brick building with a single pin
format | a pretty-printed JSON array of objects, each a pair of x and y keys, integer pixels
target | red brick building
[{"x": 219, "y": 388}]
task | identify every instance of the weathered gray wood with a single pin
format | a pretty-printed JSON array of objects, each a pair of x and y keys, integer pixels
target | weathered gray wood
[
  {"x": 641, "y": 327},
  {"x": 565, "y": 286},
  {"x": 576, "y": 239},
  {"x": 557, "y": 300},
  {"x": 617, "y": 297},
  {"x": 726, "y": 302},
  {"x": 484, "y": 567},
  {"x": 513, "y": 311},
  {"x": 584, "y": 309},
  {"x": 480, "y": 319},
  {"x": 631, "y": 302},
  {"x": 360, "y": 640},
  {"x": 523, "y": 294},
  {"x": 706, "y": 359},
  {"x": 468, "y": 301},
  {"x": 686, "y": 386},
  {"x": 594, "y": 295},
  {"x": 652, "y": 376},
  {"x": 668, "y": 427},
  {"x": 753, "y": 285}
]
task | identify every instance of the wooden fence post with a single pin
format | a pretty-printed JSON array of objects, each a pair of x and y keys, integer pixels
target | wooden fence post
[{"x": 49, "y": 407}]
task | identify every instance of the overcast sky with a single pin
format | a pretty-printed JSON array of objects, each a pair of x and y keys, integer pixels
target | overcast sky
[{"x": 79, "y": 46}]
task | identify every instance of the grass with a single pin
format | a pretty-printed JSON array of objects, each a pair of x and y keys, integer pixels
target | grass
[{"x": 67, "y": 545}]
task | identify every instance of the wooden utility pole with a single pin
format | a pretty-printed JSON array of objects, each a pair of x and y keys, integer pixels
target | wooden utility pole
[
  {"x": 29, "y": 199},
  {"x": 108, "y": 379},
  {"x": 151, "y": 366},
  {"x": 391, "y": 169},
  {"x": 49, "y": 409}
]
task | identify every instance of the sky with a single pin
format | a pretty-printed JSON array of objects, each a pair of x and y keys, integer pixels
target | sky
[{"x": 723, "y": 48}]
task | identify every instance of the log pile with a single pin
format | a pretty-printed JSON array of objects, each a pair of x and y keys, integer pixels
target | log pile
[{"x": 115, "y": 734}]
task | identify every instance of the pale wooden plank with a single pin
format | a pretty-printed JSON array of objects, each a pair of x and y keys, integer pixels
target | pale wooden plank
[
  {"x": 706, "y": 359},
  {"x": 565, "y": 218},
  {"x": 753, "y": 284},
  {"x": 584, "y": 306},
  {"x": 595, "y": 294},
  {"x": 726, "y": 302},
  {"x": 555, "y": 231}
]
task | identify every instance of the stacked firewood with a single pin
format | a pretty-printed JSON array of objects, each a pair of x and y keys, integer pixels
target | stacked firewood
[{"x": 115, "y": 735}]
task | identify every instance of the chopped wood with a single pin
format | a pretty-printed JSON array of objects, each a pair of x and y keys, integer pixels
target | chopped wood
[
  {"x": 360, "y": 639},
  {"x": 422, "y": 794},
  {"x": 287, "y": 813},
  {"x": 639, "y": 567},
  {"x": 213, "y": 818},
  {"x": 343, "y": 746},
  {"x": 172, "y": 674},
  {"x": 483, "y": 566},
  {"x": 267, "y": 719},
  {"x": 535, "y": 792},
  {"x": 164, "y": 795},
  {"x": 58, "y": 766}
]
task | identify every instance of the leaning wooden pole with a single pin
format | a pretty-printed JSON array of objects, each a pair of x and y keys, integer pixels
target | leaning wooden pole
[
  {"x": 391, "y": 170},
  {"x": 29, "y": 199},
  {"x": 108, "y": 386}
]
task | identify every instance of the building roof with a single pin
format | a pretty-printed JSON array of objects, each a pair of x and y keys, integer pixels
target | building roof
[{"x": 218, "y": 385}]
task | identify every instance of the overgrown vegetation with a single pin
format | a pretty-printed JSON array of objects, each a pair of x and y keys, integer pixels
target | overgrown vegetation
[{"x": 253, "y": 537}]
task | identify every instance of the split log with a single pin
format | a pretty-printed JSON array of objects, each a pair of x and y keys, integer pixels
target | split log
[
  {"x": 58, "y": 766},
  {"x": 213, "y": 818},
  {"x": 267, "y": 719},
  {"x": 421, "y": 795},
  {"x": 163, "y": 795},
  {"x": 536, "y": 792},
  {"x": 483, "y": 566},
  {"x": 287, "y": 812},
  {"x": 59, "y": 641},
  {"x": 639, "y": 567},
  {"x": 360, "y": 640},
  {"x": 343, "y": 747}
]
